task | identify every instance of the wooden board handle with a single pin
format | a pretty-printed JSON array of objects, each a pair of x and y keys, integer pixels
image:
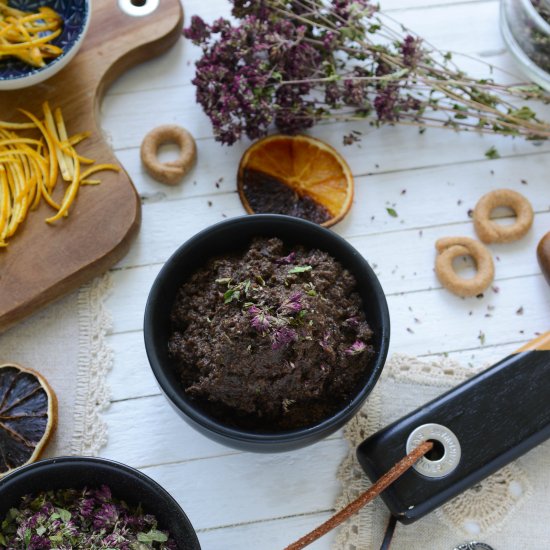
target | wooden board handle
[
  {"x": 43, "y": 262},
  {"x": 495, "y": 416},
  {"x": 541, "y": 343}
]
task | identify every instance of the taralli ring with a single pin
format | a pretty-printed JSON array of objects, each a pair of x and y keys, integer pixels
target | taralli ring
[
  {"x": 168, "y": 172},
  {"x": 450, "y": 248},
  {"x": 491, "y": 232}
]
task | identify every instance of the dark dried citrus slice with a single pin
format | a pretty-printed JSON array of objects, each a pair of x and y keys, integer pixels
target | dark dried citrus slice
[
  {"x": 295, "y": 175},
  {"x": 28, "y": 416}
]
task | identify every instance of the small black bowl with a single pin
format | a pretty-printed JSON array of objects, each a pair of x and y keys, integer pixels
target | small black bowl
[
  {"x": 233, "y": 235},
  {"x": 125, "y": 483}
]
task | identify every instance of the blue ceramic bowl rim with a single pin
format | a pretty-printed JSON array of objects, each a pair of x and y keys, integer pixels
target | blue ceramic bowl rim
[
  {"x": 174, "y": 394},
  {"x": 31, "y": 71},
  {"x": 124, "y": 469}
]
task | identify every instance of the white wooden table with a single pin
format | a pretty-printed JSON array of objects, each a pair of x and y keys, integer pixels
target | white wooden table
[{"x": 246, "y": 501}]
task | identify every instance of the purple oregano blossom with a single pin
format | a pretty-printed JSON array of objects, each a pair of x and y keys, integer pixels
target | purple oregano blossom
[
  {"x": 293, "y": 63},
  {"x": 87, "y": 518},
  {"x": 356, "y": 348}
]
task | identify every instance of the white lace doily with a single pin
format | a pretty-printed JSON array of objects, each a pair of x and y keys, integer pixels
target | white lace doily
[
  {"x": 66, "y": 343},
  {"x": 508, "y": 511}
]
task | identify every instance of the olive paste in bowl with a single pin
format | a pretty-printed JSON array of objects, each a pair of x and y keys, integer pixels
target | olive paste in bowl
[{"x": 267, "y": 332}]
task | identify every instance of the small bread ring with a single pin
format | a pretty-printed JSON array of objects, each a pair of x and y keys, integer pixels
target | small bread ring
[
  {"x": 168, "y": 172},
  {"x": 491, "y": 232},
  {"x": 543, "y": 255},
  {"x": 450, "y": 248}
]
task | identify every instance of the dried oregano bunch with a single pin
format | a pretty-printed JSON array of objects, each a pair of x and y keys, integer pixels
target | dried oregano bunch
[{"x": 294, "y": 63}]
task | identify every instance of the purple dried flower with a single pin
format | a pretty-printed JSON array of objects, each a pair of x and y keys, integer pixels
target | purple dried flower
[
  {"x": 324, "y": 343},
  {"x": 39, "y": 542},
  {"x": 260, "y": 320},
  {"x": 352, "y": 322},
  {"x": 411, "y": 51},
  {"x": 356, "y": 348},
  {"x": 291, "y": 305},
  {"x": 354, "y": 93},
  {"x": 106, "y": 516},
  {"x": 86, "y": 507},
  {"x": 386, "y": 104},
  {"x": 287, "y": 259},
  {"x": 103, "y": 494},
  {"x": 198, "y": 31},
  {"x": 282, "y": 337}
]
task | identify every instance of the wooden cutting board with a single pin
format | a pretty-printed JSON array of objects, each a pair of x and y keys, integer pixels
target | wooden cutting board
[{"x": 43, "y": 261}]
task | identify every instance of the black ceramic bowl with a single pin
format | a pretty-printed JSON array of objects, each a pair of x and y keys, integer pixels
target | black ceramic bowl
[
  {"x": 125, "y": 483},
  {"x": 232, "y": 235}
]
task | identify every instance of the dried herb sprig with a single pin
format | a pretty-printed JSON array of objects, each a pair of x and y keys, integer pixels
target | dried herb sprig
[{"x": 294, "y": 63}]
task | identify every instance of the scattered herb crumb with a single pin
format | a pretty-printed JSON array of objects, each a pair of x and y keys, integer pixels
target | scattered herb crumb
[
  {"x": 492, "y": 153},
  {"x": 391, "y": 212},
  {"x": 300, "y": 269},
  {"x": 470, "y": 213},
  {"x": 519, "y": 311},
  {"x": 353, "y": 137},
  {"x": 481, "y": 337}
]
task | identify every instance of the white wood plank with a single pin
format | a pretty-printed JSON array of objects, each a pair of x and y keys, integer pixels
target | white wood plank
[
  {"x": 149, "y": 431},
  {"x": 131, "y": 375},
  {"x": 447, "y": 323},
  {"x": 267, "y": 535},
  {"x": 411, "y": 265},
  {"x": 250, "y": 487},
  {"x": 216, "y": 169},
  {"x": 422, "y": 198}
]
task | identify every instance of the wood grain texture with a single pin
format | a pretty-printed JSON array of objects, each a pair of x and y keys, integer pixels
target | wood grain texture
[{"x": 44, "y": 262}]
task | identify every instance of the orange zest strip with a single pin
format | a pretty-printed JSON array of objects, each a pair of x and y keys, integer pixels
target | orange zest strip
[{"x": 30, "y": 166}]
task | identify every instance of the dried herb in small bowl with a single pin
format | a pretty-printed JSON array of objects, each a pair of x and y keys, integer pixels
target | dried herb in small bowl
[{"x": 86, "y": 518}]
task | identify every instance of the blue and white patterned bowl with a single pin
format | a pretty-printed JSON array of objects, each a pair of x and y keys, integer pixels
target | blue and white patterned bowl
[{"x": 76, "y": 19}]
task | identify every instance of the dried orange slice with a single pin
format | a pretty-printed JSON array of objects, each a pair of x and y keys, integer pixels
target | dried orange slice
[
  {"x": 295, "y": 175},
  {"x": 28, "y": 416}
]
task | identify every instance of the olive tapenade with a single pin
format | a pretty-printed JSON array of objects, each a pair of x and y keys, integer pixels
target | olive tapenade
[{"x": 273, "y": 338}]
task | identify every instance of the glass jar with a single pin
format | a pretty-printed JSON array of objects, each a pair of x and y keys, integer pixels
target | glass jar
[{"x": 525, "y": 26}]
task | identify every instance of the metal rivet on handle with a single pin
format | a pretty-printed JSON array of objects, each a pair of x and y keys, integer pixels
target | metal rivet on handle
[
  {"x": 450, "y": 455},
  {"x": 474, "y": 545},
  {"x": 138, "y": 8}
]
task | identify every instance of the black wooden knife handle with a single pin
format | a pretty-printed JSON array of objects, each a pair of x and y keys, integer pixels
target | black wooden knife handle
[{"x": 480, "y": 426}]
